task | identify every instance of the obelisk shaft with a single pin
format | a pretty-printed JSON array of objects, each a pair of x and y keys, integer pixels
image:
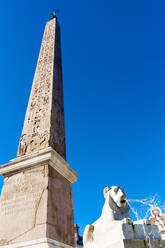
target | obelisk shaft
[
  {"x": 44, "y": 120},
  {"x": 36, "y": 202}
]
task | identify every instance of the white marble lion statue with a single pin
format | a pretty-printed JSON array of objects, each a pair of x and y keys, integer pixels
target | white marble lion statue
[
  {"x": 115, "y": 210},
  {"x": 115, "y": 225}
]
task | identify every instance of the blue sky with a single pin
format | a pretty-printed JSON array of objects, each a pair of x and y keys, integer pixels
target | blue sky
[{"x": 114, "y": 74}]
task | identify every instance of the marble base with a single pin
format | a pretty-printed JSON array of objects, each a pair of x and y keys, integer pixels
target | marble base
[
  {"x": 141, "y": 244},
  {"x": 39, "y": 243},
  {"x": 127, "y": 243},
  {"x": 121, "y": 235},
  {"x": 36, "y": 200}
]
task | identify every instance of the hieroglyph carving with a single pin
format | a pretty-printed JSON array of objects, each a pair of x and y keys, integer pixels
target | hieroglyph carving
[{"x": 44, "y": 121}]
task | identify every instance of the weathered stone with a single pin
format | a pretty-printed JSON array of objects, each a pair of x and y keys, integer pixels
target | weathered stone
[
  {"x": 23, "y": 206},
  {"x": 44, "y": 120},
  {"x": 36, "y": 200},
  {"x": 142, "y": 244},
  {"x": 36, "y": 204},
  {"x": 60, "y": 209},
  {"x": 158, "y": 219}
]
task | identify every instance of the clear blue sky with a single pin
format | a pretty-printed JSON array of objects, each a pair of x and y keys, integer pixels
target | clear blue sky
[{"x": 114, "y": 89}]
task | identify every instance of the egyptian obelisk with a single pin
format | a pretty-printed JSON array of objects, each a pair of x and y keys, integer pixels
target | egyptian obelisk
[{"x": 36, "y": 203}]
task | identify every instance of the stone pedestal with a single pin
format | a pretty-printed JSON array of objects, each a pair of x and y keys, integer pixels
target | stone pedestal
[
  {"x": 36, "y": 203},
  {"x": 120, "y": 235},
  {"x": 142, "y": 244},
  {"x": 39, "y": 243}
]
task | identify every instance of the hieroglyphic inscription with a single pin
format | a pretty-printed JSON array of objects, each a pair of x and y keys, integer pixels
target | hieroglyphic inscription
[
  {"x": 44, "y": 121},
  {"x": 57, "y": 135}
]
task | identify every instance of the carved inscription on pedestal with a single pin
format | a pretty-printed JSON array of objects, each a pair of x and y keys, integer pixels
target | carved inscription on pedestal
[
  {"x": 13, "y": 206},
  {"x": 23, "y": 198}
]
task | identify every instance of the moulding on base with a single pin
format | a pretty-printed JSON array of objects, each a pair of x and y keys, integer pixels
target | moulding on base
[
  {"x": 47, "y": 155},
  {"x": 39, "y": 243}
]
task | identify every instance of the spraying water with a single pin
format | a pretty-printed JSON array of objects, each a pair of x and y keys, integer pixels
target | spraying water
[{"x": 141, "y": 210}]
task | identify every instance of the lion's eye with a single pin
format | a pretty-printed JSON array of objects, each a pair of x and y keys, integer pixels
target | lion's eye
[{"x": 116, "y": 189}]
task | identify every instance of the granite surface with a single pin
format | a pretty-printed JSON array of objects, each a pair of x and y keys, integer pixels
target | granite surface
[
  {"x": 36, "y": 203},
  {"x": 44, "y": 120}
]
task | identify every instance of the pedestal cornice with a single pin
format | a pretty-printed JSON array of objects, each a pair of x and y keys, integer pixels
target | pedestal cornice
[{"x": 47, "y": 155}]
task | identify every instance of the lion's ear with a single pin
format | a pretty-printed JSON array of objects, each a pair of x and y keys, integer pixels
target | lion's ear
[{"x": 105, "y": 191}]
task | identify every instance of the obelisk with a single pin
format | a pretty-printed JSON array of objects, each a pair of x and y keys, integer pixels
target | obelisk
[
  {"x": 36, "y": 203},
  {"x": 44, "y": 120}
]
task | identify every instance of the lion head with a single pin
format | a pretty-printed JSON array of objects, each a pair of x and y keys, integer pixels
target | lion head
[{"x": 117, "y": 195}]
